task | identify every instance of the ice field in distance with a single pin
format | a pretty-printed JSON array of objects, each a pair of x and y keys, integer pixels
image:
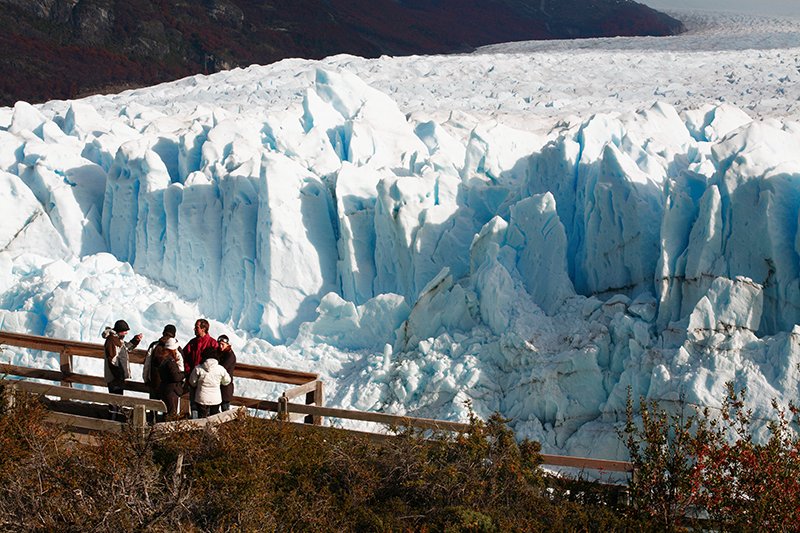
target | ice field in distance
[{"x": 536, "y": 227}]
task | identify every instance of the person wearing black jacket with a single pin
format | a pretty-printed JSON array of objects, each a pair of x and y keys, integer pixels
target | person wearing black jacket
[
  {"x": 152, "y": 361},
  {"x": 171, "y": 374},
  {"x": 227, "y": 358}
]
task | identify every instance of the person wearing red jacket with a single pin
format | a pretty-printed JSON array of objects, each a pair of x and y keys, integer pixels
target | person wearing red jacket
[{"x": 193, "y": 354}]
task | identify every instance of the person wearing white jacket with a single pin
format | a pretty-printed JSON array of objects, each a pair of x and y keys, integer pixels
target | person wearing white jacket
[{"x": 207, "y": 377}]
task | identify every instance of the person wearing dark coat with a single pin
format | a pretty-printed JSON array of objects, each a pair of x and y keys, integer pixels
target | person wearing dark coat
[
  {"x": 172, "y": 376},
  {"x": 155, "y": 356},
  {"x": 151, "y": 375},
  {"x": 227, "y": 358}
]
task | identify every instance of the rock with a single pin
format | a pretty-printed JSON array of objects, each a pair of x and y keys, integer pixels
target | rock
[{"x": 93, "y": 20}]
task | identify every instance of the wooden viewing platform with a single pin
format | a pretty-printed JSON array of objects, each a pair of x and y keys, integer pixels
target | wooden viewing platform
[{"x": 306, "y": 386}]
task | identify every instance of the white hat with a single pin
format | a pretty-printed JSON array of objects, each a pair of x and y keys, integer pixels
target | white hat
[{"x": 171, "y": 344}]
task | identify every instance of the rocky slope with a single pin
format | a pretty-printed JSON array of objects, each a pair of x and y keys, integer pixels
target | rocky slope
[{"x": 55, "y": 49}]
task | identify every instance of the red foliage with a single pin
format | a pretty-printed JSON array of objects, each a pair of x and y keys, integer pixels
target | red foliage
[{"x": 690, "y": 465}]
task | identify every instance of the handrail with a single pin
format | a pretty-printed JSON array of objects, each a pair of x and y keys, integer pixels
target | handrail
[
  {"x": 294, "y": 392},
  {"x": 256, "y": 404},
  {"x": 200, "y": 423},
  {"x": 308, "y": 383},
  {"x": 68, "y": 393},
  {"x": 55, "y": 375},
  {"x": 606, "y": 465},
  {"x": 583, "y": 463},
  {"x": 51, "y": 344},
  {"x": 380, "y": 418},
  {"x": 86, "y": 349},
  {"x": 84, "y": 422}
]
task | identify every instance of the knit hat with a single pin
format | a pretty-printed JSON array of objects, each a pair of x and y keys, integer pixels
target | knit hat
[
  {"x": 171, "y": 344},
  {"x": 170, "y": 330},
  {"x": 120, "y": 326},
  {"x": 223, "y": 338}
]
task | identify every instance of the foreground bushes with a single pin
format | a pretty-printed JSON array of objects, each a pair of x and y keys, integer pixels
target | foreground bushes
[
  {"x": 260, "y": 475},
  {"x": 697, "y": 465}
]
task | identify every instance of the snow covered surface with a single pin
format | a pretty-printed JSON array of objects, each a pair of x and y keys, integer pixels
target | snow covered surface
[{"x": 536, "y": 227}]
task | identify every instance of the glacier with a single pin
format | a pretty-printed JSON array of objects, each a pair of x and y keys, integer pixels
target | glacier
[{"x": 497, "y": 231}]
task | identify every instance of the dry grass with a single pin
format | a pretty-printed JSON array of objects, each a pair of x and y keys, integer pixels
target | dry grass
[{"x": 261, "y": 475}]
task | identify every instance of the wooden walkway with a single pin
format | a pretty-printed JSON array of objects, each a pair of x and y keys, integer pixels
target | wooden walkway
[{"x": 306, "y": 387}]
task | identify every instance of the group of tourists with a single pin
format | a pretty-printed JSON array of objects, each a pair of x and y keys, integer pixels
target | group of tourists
[{"x": 202, "y": 369}]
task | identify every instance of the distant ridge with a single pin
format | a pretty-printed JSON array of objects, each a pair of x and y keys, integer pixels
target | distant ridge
[{"x": 57, "y": 49}]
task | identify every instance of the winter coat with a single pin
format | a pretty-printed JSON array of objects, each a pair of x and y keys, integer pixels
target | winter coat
[
  {"x": 208, "y": 377},
  {"x": 170, "y": 371},
  {"x": 193, "y": 352},
  {"x": 171, "y": 388},
  {"x": 228, "y": 361},
  {"x": 156, "y": 355},
  {"x": 153, "y": 359},
  {"x": 117, "y": 368}
]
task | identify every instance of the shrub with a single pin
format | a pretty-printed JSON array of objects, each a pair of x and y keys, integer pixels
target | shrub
[
  {"x": 746, "y": 485},
  {"x": 697, "y": 465},
  {"x": 661, "y": 453},
  {"x": 50, "y": 481},
  {"x": 260, "y": 475}
]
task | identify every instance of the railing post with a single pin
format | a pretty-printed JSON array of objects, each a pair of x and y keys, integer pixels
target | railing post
[
  {"x": 314, "y": 398},
  {"x": 176, "y": 476},
  {"x": 309, "y": 419},
  {"x": 283, "y": 409},
  {"x": 9, "y": 395},
  {"x": 139, "y": 419},
  {"x": 184, "y": 405},
  {"x": 66, "y": 366}
]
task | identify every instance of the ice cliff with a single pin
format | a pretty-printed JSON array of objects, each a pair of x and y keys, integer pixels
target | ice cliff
[{"x": 418, "y": 262}]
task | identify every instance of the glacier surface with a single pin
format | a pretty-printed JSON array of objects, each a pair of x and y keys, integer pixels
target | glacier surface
[{"x": 536, "y": 228}]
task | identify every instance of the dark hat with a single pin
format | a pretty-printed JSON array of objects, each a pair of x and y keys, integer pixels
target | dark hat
[
  {"x": 120, "y": 326},
  {"x": 170, "y": 330},
  {"x": 223, "y": 338}
]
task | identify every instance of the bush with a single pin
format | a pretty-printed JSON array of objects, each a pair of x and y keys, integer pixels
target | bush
[
  {"x": 661, "y": 453},
  {"x": 702, "y": 466},
  {"x": 50, "y": 481},
  {"x": 254, "y": 474}
]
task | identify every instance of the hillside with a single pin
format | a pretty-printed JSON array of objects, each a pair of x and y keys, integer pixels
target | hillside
[{"x": 57, "y": 49}]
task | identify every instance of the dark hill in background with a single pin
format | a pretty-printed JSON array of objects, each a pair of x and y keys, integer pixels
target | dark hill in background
[{"x": 58, "y": 49}]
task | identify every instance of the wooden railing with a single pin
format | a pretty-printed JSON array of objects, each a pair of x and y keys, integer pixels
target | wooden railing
[
  {"x": 398, "y": 421},
  {"x": 66, "y": 376},
  {"x": 208, "y": 422},
  {"x": 138, "y": 405},
  {"x": 584, "y": 463},
  {"x": 308, "y": 386}
]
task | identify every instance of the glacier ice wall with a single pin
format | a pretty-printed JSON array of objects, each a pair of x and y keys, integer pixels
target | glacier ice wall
[{"x": 419, "y": 262}]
